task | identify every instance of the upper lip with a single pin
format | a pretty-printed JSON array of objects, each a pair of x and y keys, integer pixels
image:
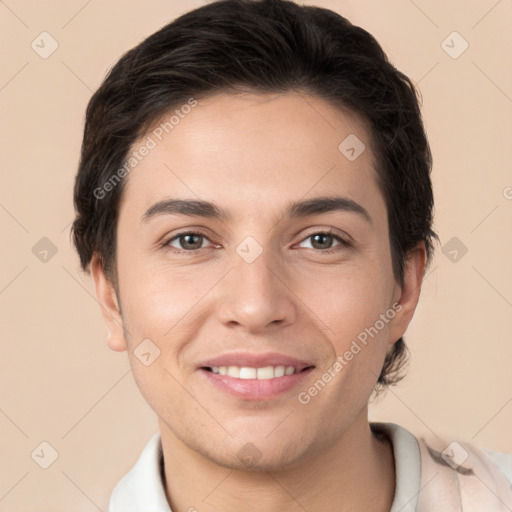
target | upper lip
[{"x": 252, "y": 360}]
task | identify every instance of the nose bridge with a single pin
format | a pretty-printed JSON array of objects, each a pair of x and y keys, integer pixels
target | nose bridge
[
  {"x": 254, "y": 293},
  {"x": 256, "y": 276}
]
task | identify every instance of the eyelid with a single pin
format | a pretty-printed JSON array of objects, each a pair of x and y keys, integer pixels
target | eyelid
[{"x": 344, "y": 238}]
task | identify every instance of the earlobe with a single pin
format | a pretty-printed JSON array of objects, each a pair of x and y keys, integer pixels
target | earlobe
[
  {"x": 408, "y": 293},
  {"x": 107, "y": 298}
]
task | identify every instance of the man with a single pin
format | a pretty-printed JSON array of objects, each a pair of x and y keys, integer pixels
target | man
[{"x": 255, "y": 207}]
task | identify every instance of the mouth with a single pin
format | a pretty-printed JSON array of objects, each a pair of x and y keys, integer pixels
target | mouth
[
  {"x": 255, "y": 376},
  {"x": 257, "y": 373},
  {"x": 263, "y": 383}
]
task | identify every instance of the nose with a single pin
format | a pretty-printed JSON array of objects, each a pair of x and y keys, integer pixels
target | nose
[{"x": 255, "y": 297}]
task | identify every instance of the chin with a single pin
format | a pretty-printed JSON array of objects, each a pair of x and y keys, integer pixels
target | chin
[{"x": 260, "y": 454}]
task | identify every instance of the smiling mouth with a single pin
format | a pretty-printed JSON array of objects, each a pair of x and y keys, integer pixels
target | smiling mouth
[{"x": 260, "y": 373}]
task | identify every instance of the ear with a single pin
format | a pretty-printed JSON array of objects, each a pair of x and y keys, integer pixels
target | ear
[
  {"x": 107, "y": 298},
  {"x": 408, "y": 294}
]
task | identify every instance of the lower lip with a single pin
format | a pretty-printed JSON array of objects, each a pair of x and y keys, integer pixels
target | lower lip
[{"x": 255, "y": 389}]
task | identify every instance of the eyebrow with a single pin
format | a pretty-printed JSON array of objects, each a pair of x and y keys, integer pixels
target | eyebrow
[{"x": 298, "y": 209}]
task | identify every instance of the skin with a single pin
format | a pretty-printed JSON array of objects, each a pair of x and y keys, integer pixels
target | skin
[{"x": 252, "y": 155}]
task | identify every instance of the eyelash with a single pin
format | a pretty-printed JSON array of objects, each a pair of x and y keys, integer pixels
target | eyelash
[{"x": 343, "y": 241}]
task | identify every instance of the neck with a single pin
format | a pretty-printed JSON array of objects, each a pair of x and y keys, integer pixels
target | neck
[{"x": 356, "y": 473}]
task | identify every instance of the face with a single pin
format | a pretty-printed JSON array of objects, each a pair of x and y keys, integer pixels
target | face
[{"x": 276, "y": 255}]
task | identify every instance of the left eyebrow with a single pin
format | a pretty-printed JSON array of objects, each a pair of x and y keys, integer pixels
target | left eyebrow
[
  {"x": 298, "y": 209},
  {"x": 327, "y": 204}
]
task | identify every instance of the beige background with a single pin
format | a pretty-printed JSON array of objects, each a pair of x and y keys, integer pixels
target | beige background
[{"x": 59, "y": 381}]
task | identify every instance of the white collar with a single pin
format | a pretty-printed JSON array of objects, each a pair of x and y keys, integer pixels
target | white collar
[
  {"x": 142, "y": 489},
  {"x": 407, "y": 466}
]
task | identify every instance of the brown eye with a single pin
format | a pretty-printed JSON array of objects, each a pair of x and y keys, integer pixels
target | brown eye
[
  {"x": 191, "y": 241},
  {"x": 325, "y": 242},
  {"x": 187, "y": 241},
  {"x": 321, "y": 241}
]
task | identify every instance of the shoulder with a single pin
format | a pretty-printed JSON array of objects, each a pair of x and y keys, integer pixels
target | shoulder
[
  {"x": 465, "y": 475},
  {"x": 433, "y": 470}
]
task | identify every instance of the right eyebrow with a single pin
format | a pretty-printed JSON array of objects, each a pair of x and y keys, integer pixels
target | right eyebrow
[{"x": 185, "y": 207}]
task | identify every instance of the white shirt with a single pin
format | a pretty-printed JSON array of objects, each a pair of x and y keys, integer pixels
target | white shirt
[{"x": 142, "y": 489}]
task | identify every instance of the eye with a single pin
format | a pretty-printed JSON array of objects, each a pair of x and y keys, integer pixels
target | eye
[
  {"x": 189, "y": 241},
  {"x": 325, "y": 241},
  {"x": 193, "y": 241}
]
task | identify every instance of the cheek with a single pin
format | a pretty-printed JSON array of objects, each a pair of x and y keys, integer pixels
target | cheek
[
  {"x": 349, "y": 301},
  {"x": 350, "y": 305},
  {"x": 162, "y": 302},
  {"x": 159, "y": 310}
]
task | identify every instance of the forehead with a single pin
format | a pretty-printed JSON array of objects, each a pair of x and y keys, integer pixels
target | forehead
[{"x": 253, "y": 150}]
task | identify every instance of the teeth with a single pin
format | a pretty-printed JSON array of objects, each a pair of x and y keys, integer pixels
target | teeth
[
  {"x": 279, "y": 371},
  {"x": 264, "y": 373},
  {"x": 234, "y": 371},
  {"x": 246, "y": 372}
]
